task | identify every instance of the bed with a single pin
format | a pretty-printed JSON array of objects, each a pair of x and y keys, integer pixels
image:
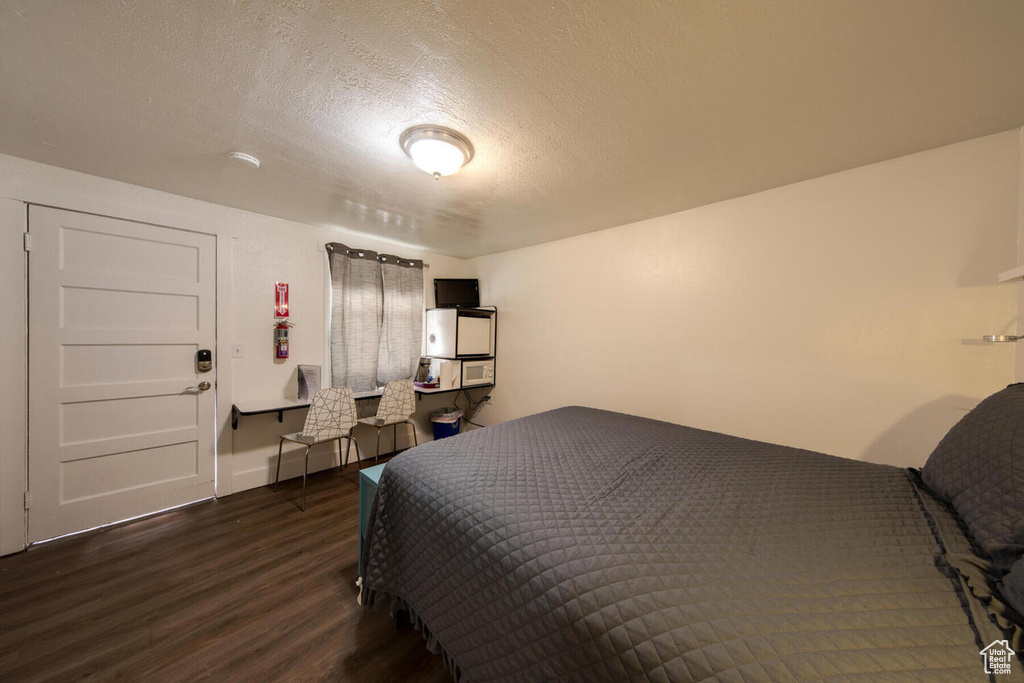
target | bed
[{"x": 581, "y": 544}]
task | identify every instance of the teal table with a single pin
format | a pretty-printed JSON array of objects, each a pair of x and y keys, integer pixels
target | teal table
[{"x": 368, "y": 479}]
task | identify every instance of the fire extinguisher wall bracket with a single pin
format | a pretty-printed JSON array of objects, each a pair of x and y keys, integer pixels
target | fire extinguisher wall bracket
[{"x": 281, "y": 338}]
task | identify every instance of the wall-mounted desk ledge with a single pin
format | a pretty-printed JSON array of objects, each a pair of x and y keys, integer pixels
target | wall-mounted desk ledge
[
  {"x": 421, "y": 391},
  {"x": 1012, "y": 274},
  {"x": 261, "y": 407},
  {"x": 282, "y": 405}
]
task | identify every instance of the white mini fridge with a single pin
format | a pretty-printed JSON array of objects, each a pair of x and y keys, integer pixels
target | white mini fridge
[{"x": 460, "y": 333}]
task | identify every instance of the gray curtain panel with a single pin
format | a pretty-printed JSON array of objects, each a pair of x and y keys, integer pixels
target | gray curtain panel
[
  {"x": 356, "y": 312},
  {"x": 401, "y": 337}
]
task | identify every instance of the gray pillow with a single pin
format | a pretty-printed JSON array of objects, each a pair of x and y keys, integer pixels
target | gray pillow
[{"x": 978, "y": 468}]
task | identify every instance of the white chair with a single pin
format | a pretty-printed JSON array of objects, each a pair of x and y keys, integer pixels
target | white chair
[
  {"x": 331, "y": 417},
  {"x": 397, "y": 404}
]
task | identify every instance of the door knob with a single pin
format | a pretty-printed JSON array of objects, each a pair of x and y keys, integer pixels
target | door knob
[{"x": 203, "y": 386}]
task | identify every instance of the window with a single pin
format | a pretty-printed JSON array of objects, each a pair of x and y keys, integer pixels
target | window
[{"x": 376, "y": 317}]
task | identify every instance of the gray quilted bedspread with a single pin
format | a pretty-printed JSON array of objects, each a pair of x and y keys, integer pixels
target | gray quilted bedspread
[{"x": 587, "y": 545}]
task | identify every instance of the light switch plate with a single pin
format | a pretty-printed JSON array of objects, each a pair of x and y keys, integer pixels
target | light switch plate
[{"x": 237, "y": 351}]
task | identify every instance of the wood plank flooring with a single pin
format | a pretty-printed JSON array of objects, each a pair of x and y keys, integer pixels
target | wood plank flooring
[{"x": 247, "y": 588}]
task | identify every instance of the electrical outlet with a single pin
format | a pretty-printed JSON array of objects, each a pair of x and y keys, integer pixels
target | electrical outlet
[{"x": 237, "y": 351}]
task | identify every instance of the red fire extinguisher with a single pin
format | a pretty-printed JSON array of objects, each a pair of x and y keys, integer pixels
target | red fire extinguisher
[
  {"x": 282, "y": 324},
  {"x": 281, "y": 338}
]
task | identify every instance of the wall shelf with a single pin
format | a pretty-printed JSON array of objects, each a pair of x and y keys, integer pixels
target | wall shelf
[
  {"x": 280, "y": 406},
  {"x": 1012, "y": 274}
]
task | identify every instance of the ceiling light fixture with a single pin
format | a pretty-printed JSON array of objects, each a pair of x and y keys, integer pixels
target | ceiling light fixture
[
  {"x": 437, "y": 150},
  {"x": 244, "y": 158}
]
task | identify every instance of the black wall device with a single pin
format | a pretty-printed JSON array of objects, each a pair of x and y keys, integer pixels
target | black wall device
[
  {"x": 204, "y": 360},
  {"x": 456, "y": 292}
]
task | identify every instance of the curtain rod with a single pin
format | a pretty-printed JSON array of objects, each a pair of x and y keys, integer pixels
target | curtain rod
[{"x": 331, "y": 248}]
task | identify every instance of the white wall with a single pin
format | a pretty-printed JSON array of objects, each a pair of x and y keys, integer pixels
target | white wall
[
  {"x": 13, "y": 465},
  {"x": 253, "y": 251},
  {"x": 842, "y": 314},
  {"x": 257, "y": 261}
]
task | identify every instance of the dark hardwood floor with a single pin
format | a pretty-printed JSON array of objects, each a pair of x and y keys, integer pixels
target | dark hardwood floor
[{"x": 247, "y": 588}]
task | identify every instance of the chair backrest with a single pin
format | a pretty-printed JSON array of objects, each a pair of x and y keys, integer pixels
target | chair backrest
[
  {"x": 332, "y": 414},
  {"x": 398, "y": 402}
]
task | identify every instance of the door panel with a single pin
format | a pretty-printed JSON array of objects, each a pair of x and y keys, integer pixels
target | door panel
[
  {"x": 109, "y": 254},
  {"x": 87, "y": 419},
  {"x": 89, "y": 308},
  {"x": 117, "y": 425},
  {"x": 119, "y": 472},
  {"x": 86, "y": 364}
]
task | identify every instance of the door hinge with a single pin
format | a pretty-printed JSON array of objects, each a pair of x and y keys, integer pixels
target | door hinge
[
  {"x": 28, "y": 499},
  {"x": 28, "y": 242}
]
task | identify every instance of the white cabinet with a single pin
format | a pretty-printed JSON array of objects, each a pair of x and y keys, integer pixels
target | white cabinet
[{"x": 460, "y": 333}]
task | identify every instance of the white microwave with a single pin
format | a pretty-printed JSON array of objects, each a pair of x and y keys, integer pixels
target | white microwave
[{"x": 477, "y": 372}]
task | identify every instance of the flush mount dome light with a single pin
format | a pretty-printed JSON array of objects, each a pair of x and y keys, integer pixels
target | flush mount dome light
[
  {"x": 244, "y": 158},
  {"x": 437, "y": 150}
]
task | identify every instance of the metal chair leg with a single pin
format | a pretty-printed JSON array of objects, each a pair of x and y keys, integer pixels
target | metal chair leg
[
  {"x": 394, "y": 438},
  {"x": 359, "y": 460},
  {"x": 415, "y": 441},
  {"x": 348, "y": 447},
  {"x": 304, "y": 469},
  {"x": 277, "y": 477},
  {"x": 377, "y": 454}
]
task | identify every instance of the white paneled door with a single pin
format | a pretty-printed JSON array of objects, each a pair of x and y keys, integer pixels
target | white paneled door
[{"x": 121, "y": 423}]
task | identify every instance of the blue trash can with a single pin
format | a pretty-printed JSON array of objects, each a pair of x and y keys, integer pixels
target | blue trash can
[
  {"x": 447, "y": 422},
  {"x": 443, "y": 430}
]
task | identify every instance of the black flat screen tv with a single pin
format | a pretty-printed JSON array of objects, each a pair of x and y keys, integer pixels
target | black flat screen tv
[{"x": 456, "y": 293}]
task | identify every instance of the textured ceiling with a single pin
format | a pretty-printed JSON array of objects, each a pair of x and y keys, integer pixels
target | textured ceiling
[{"x": 584, "y": 115}]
